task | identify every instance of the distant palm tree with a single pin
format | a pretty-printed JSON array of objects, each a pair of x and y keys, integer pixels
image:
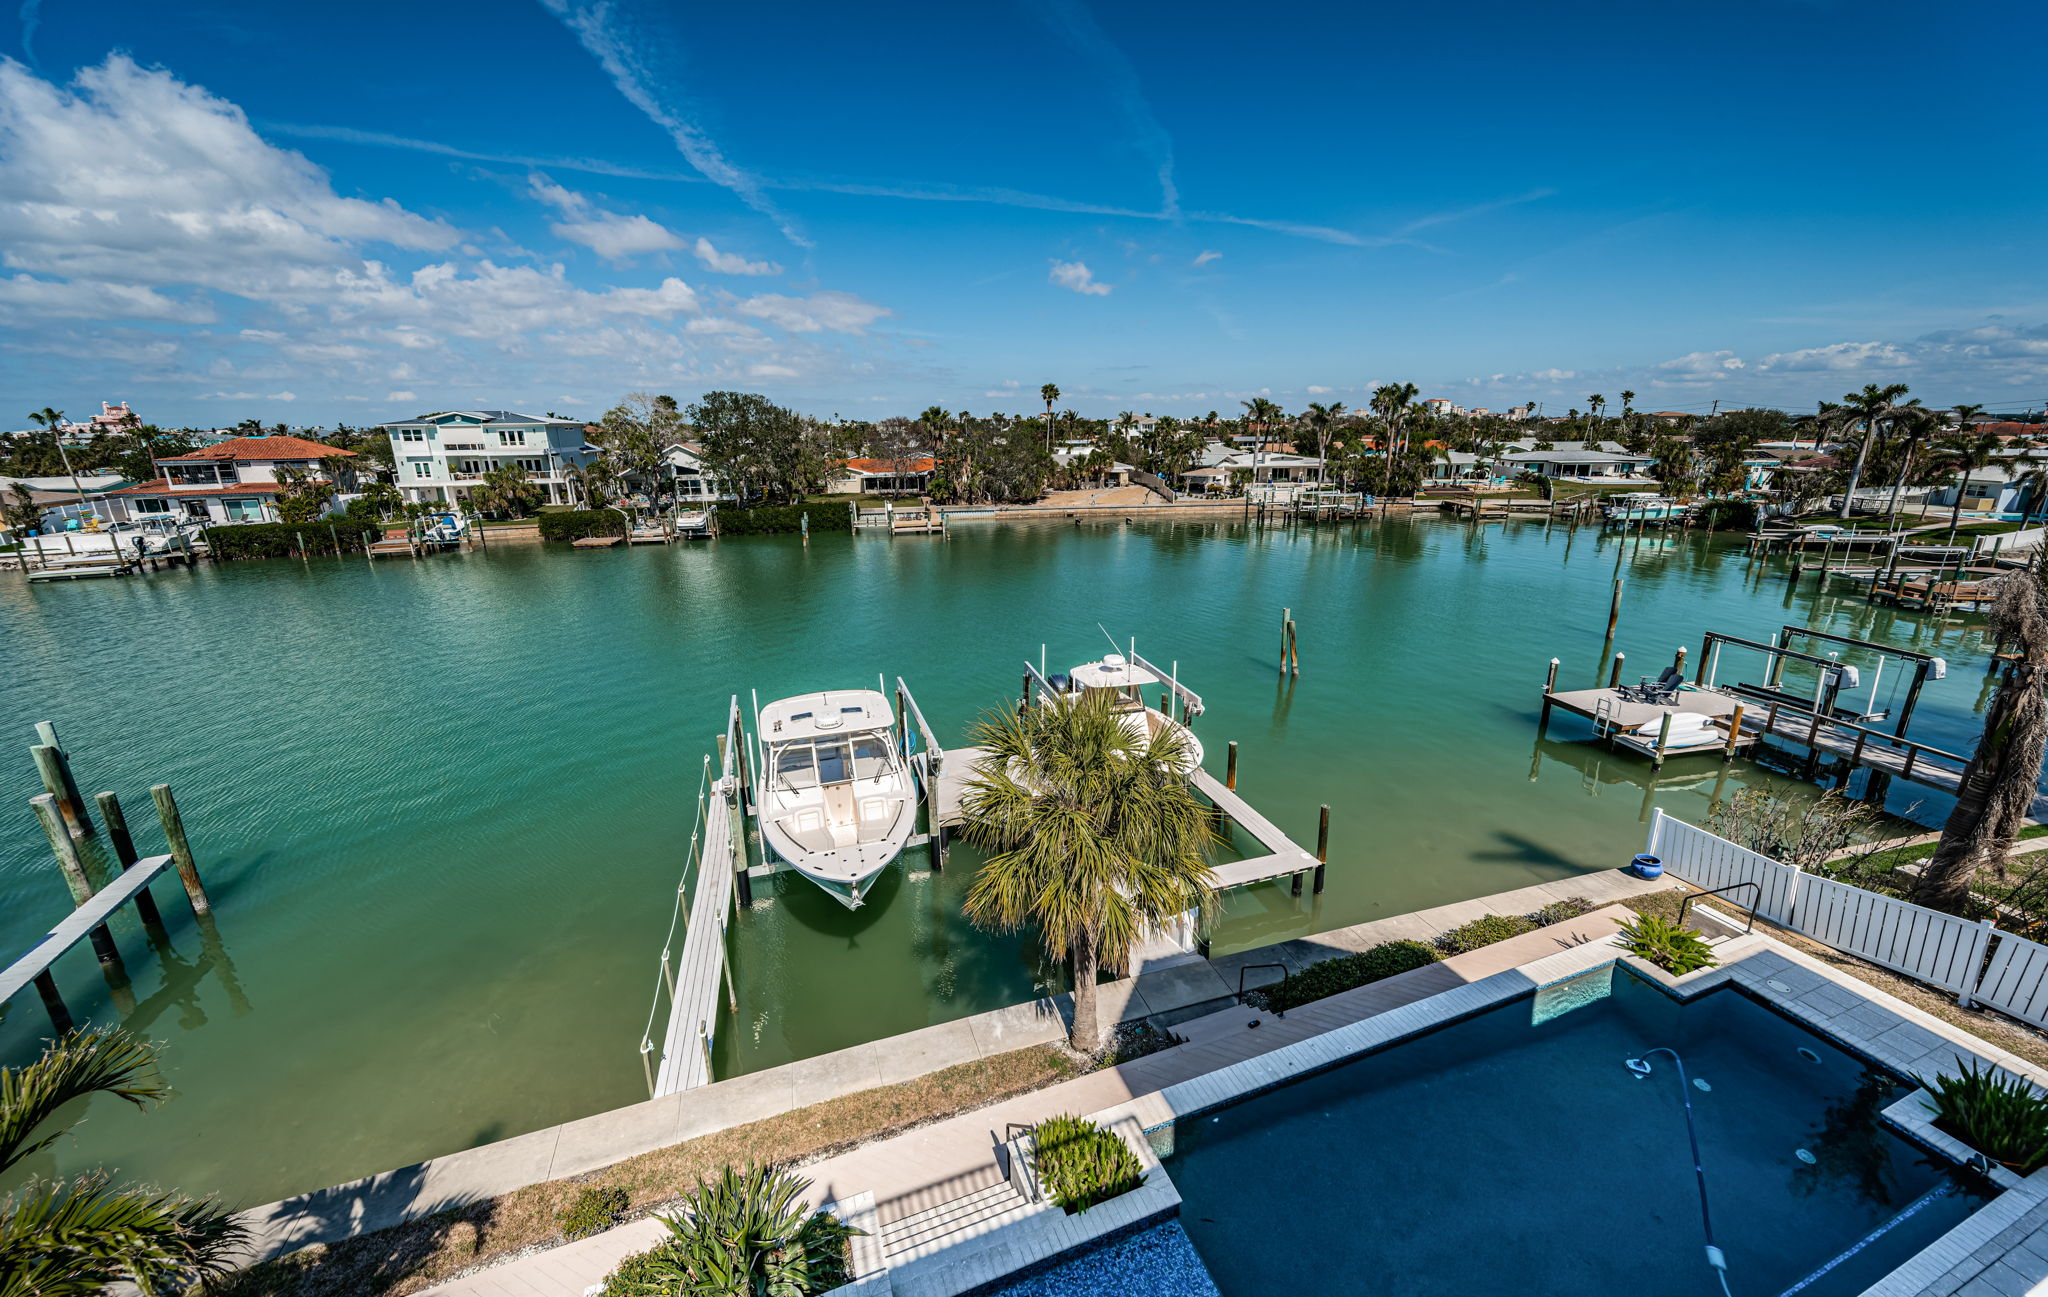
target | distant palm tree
[
  {"x": 1049, "y": 392},
  {"x": 1391, "y": 402},
  {"x": 1964, "y": 454},
  {"x": 80, "y": 1236},
  {"x": 1626, "y": 398},
  {"x": 1594, "y": 404},
  {"x": 1872, "y": 407},
  {"x": 53, "y": 420},
  {"x": 1915, "y": 427},
  {"x": 1319, "y": 420},
  {"x": 1093, "y": 834}
]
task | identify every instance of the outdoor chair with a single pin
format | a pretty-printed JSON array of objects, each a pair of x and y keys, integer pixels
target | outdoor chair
[{"x": 1664, "y": 689}]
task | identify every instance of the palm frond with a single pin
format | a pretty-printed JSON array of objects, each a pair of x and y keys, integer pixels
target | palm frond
[
  {"x": 82, "y": 1063},
  {"x": 64, "y": 1237}
]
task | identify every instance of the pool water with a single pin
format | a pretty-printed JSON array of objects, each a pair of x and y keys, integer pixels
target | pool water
[{"x": 1510, "y": 1153}]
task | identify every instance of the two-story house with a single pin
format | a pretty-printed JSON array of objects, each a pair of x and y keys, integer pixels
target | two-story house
[
  {"x": 234, "y": 480},
  {"x": 440, "y": 456}
]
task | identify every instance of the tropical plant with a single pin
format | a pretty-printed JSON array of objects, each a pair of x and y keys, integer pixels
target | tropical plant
[
  {"x": 1483, "y": 931},
  {"x": 1667, "y": 944},
  {"x": 1964, "y": 453},
  {"x": 1999, "y": 782},
  {"x": 1080, "y": 1163},
  {"x": 19, "y": 511},
  {"x": 302, "y": 494},
  {"x": 52, "y": 421},
  {"x": 1805, "y": 835},
  {"x": 744, "y": 1234},
  {"x": 1320, "y": 420},
  {"x": 594, "y": 1209},
  {"x": 1345, "y": 972},
  {"x": 1048, "y": 392},
  {"x": 1873, "y": 407},
  {"x": 1998, "y": 1114},
  {"x": 80, "y": 1235},
  {"x": 1093, "y": 833}
]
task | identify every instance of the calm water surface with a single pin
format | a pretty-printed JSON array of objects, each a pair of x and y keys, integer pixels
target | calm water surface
[{"x": 442, "y": 805}]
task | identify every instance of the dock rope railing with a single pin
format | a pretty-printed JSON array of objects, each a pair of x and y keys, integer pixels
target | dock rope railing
[{"x": 665, "y": 978}]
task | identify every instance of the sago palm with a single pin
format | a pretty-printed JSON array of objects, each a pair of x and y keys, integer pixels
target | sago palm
[
  {"x": 1093, "y": 833},
  {"x": 80, "y": 1235}
]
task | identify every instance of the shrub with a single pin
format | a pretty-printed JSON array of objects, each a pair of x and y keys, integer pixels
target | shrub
[
  {"x": 575, "y": 524},
  {"x": 1343, "y": 974},
  {"x": 1994, "y": 1112},
  {"x": 1483, "y": 931},
  {"x": 1667, "y": 944},
  {"x": 593, "y": 1211},
  {"x": 1571, "y": 907},
  {"x": 1080, "y": 1163},
  {"x": 281, "y": 539},
  {"x": 767, "y": 518},
  {"x": 743, "y": 1234}
]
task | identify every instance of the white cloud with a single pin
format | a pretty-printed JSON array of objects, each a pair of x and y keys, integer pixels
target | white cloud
[
  {"x": 771, "y": 371},
  {"x": 612, "y": 235},
  {"x": 1077, "y": 276},
  {"x": 86, "y": 299},
  {"x": 839, "y": 312},
  {"x": 1314, "y": 390},
  {"x": 1840, "y": 356},
  {"x": 1205, "y": 256},
  {"x": 1701, "y": 363},
  {"x": 400, "y": 396},
  {"x": 728, "y": 263}
]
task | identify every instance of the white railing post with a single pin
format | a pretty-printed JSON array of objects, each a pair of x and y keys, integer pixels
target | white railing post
[
  {"x": 1975, "y": 974},
  {"x": 1656, "y": 833},
  {"x": 1792, "y": 897}
]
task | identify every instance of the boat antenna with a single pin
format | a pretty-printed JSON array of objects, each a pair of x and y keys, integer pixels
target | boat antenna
[{"x": 1113, "y": 645}]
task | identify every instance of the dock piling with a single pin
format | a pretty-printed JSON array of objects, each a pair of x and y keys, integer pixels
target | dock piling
[
  {"x": 181, "y": 849},
  {"x": 1734, "y": 734},
  {"x": 1322, "y": 847},
  {"x": 55, "y": 768},
  {"x": 1230, "y": 767},
  {"x": 1550, "y": 681},
  {"x": 1663, "y": 740},
  {"x": 123, "y": 845},
  {"x": 63, "y": 848},
  {"x": 1614, "y": 677},
  {"x": 1614, "y": 608},
  {"x": 53, "y": 1004}
]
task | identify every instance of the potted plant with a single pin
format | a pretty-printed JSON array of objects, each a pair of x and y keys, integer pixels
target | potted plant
[{"x": 1998, "y": 1114}]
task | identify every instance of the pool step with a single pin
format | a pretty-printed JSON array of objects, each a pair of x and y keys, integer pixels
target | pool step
[{"x": 942, "y": 1221}]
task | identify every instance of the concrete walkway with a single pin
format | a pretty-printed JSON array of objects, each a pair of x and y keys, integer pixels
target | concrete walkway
[
  {"x": 943, "y": 1161},
  {"x": 1171, "y": 995}
]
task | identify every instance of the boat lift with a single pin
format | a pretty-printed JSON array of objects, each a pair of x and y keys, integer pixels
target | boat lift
[{"x": 1839, "y": 682}]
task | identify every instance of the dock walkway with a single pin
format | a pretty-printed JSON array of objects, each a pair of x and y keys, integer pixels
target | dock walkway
[{"x": 74, "y": 926}]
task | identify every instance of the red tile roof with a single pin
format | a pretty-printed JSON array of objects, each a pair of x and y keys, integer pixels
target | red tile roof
[
  {"x": 162, "y": 486},
  {"x": 921, "y": 465},
  {"x": 262, "y": 448}
]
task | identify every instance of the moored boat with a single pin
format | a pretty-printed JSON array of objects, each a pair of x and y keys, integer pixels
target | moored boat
[
  {"x": 1124, "y": 680},
  {"x": 836, "y": 800}
]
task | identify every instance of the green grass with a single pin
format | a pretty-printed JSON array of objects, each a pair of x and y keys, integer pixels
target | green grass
[
  {"x": 1983, "y": 529},
  {"x": 1897, "y": 856}
]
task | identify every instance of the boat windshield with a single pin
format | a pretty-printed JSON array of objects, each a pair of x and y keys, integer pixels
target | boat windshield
[
  {"x": 793, "y": 766},
  {"x": 870, "y": 756},
  {"x": 832, "y": 764}
]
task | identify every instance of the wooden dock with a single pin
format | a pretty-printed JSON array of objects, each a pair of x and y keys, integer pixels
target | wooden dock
[
  {"x": 77, "y": 925},
  {"x": 597, "y": 542},
  {"x": 925, "y": 520},
  {"x": 702, "y": 969}
]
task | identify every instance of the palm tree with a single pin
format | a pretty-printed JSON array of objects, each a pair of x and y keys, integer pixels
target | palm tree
[
  {"x": 1917, "y": 425},
  {"x": 1319, "y": 420},
  {"x": 54, "y": 421},
  {"x": 1999, "y": 783},
  {"x": 1390, "y": 401},
  {"x": 1594, "y": 404},
  {"x": 1093, "y": 834},
  {"x": 1048, "y": 392},
  {"x": 1964, "y": 454},
  {"x": 78, "y": 1236},
  {"x": 1872, "y": 407},
  {"x": 1626, "y": 397}
]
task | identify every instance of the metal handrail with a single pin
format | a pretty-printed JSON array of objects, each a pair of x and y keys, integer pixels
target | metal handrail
[
  {"x": 1285, "y": 973},
  {"x": 1776, "y": 698},
  {"x": 1686, "y": 904}
]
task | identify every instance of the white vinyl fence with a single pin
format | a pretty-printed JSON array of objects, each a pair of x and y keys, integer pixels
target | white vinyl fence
[{"x": 1939, "y": 949}]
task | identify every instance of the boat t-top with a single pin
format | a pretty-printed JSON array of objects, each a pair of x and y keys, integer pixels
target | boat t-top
[
  {"x": 1125, "y": 678},
  {"x": 837, "y": 802}
]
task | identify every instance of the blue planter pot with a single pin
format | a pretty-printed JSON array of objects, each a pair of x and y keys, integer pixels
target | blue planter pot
[{"x": 1647, "y": 867}]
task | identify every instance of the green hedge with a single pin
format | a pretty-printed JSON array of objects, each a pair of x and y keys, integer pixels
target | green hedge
[
  {"x": 282, "y": 539},
  {"x": 1728, "y": 515},
  {"x": 1344, "y": 973},
  {"x": 575, "y": 524},
  {"x": 766, "y": 518}
]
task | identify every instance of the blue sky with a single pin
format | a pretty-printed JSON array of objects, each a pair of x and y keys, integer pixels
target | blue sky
[{"x": 359, "y": 212}]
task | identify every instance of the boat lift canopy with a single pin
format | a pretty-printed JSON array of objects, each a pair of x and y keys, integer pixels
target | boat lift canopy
[{"x": 1836, "y": 676}]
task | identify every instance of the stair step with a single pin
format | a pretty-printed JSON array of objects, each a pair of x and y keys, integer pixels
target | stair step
[
  {"x": 948, "y": 1218},
  {"x": 967, "y": 1202}
]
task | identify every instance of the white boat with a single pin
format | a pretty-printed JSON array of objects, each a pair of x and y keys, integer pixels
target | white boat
[
  {"x": 1125, "y": 679},
  {"x": 444, "y": 529},
  {"x": 1642, "y": 506},
  {"x": 80, "y": 568},
  {"x": 836, "y": 801}
]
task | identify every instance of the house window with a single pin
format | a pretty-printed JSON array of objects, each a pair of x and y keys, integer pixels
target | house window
[
  {"x": 511, "y": 439},
  {"x": 152, "y": 506},
  {"x": 243, "y": 510},
  {"x": 422, "y": 468},
  {"x": 534, "y": 465},
  {"x": 412, "y": 434}
]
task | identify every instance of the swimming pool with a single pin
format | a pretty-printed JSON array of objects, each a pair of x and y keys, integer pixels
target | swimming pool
[{"x": 1516, "y": 1151}]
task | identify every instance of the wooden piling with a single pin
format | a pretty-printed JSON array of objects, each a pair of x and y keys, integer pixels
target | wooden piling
[
  {"x": 1230, "y": 767},
  {"x": 123, "y": 846},
  {"x": 1286, "y": 620},
  {"x": 181, "y": 849},
  {"x": 63, "y": 848},
  {"x": 1614, "y": 608},
  {"x": 1734, "y": 733},
  {"x": 1322, "y": 848},
  {"x": 1614, "y": 677},
  {"x": 1678, "y": 663},
  {"x": 1663, "y": 739},
  {"x": 56, "y": 768},
  {"x": 1550, "y": 681},
  {"x": 53, "y": 1003}
]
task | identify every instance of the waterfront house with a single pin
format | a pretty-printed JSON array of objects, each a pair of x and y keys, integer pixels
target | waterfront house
[
  {"x": 1603, "y": 461},
  {"x": 684, "y": 479},
  {"x": 439, "y": 457},
  {"x": 1997, "y": 488},
  {"x": 235, "y": 480},
  {"x": 1220, "y": 467},
  {"x": 884, "y": 476}
]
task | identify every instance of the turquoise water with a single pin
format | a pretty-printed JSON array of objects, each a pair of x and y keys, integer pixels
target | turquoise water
[
  {"x": 442, "y": 805},
  {"x": 1510, "y": 1153}
]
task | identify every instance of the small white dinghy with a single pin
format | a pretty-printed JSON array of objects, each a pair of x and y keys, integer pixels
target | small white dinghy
[{"x": 836, "y": 800}]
